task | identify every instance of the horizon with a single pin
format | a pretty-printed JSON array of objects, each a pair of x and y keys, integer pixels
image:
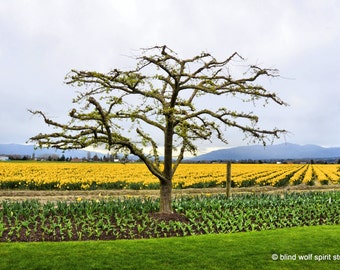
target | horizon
[{"x": 106, "y": 152}]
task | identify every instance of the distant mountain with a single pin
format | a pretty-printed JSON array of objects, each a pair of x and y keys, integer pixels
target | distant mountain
[
  {"x": 271, "y": 152},
  {"x": 28, "y": 150},
  {"x": 252, "y": 152}
]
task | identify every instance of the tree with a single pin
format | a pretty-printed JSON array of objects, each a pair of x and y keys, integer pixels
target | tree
[{"x": 125, "y": 110}]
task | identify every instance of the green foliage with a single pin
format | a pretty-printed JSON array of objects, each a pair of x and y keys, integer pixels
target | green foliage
[
  {"x": 130, "y": 218},
  {"x": 248, "y": 183},
  {"x": 31, "y": 185}
]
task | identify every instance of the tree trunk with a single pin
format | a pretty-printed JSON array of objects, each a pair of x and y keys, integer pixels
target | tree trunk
[
  {"x": 166, "y": 185},
  {"x": 165, "y": 197}
]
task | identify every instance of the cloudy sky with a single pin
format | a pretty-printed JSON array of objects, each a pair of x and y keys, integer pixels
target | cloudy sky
[{"x": 41, "y": 41}]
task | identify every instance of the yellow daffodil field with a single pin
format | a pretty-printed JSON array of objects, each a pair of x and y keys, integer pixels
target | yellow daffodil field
[{"x": 84, "y": 176}]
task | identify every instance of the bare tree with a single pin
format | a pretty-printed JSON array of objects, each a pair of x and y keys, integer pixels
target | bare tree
[{"x": 125, "y": 110}]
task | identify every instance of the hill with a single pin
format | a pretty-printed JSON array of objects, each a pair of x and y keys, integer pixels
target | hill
[
  {"x": 253, "y": 152},
  {"x": 271, "y": 152},
  {"x": 28, "y": 150}
]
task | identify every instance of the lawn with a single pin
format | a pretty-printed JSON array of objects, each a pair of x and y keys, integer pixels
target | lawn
[{"x": 270, "y": 249}]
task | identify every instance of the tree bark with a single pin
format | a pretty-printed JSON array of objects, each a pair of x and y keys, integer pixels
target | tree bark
[
  {"x": 165, "y": 197},
  {"x": 166, "y": 185}
]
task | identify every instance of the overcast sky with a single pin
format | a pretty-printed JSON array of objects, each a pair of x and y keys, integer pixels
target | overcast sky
[{"x": 41, "y": 41}]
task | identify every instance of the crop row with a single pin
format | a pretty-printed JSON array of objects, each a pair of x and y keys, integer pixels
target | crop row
[
  {"x": 137, "y": 218},
  {"x": 76, "y": 176}
]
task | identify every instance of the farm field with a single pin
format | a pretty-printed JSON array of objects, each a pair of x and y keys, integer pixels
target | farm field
[
  {"x": 136, "y": 218},
  {"x": 64, "y": 226},
  {"x": 135, "y": 176}
]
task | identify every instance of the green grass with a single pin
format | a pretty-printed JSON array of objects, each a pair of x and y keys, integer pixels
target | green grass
[{"x": 250, "y": 250}]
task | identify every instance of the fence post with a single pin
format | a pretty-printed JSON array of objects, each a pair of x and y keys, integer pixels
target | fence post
[{"x": 228, "y": 180}]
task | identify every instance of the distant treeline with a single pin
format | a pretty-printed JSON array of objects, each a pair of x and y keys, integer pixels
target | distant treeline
[
  {"x": 115, "y": 158},
  {"x": 63, "y": 158}
]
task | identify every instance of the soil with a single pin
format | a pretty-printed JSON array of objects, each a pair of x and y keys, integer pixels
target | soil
[
  {"x": 169, "y": 217},
  {"x": 77, "y": 195}
]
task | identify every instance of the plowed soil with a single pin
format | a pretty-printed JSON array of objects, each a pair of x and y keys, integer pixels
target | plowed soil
[{"x": 76, "y": 195}]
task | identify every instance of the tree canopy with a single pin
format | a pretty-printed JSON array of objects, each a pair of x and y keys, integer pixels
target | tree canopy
[{"x": 154, "y": 107}]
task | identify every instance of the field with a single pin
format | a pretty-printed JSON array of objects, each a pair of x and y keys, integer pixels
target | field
[
  {"x": 133, "y": 218},
  {"x": 90, "y": 176},
  {"x": 267, "y": 215}
]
